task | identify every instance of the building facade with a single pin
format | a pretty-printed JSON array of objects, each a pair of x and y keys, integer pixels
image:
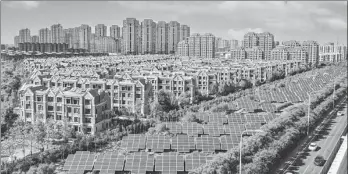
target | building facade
[
  {"x": 162, "y": 38},
  {"x": 148, "y": 37},
  {"x": 115, "y": 32},
  {"x": 131, "y": 36},
  {"x": 100, "y": 30},
  {"x": 173, "y": 36},
  {"x": 24, "y": 35}
]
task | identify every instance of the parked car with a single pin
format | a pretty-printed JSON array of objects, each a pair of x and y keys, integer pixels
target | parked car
[
  {"x": 313, "y": 147},
  {"x": 289, "y": 172},
  {"x": 319, "y": 160},
  {"x": 340, "y": 113}
]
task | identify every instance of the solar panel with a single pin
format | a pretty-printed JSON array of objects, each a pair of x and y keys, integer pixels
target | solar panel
[
  {"x": 192, "y": 129},
  {"x": 230, "y": 141},
  {"x": 183, "y": 143},
  {"x": 203, "y": 117},
  {"x": 236, "y": 118},
  {"x": 109, "y": 162},
  {"x": 133, "y": 142},
  {"x": 79, "y": 162},
  {"x": 174, "y": 128},
  {"x": 207, "y": 143},
  {"x": 139, "y": 163},
  {"x": 213, "y": 129},
  {"x": 169, "y": 163},
  {"x": 158, "y": 143},
  {"x": 234, "y": 128},
  {"x": 253, "y": 126},
  {"x": 269, "y": 117},
  {"x": 268, "y": 107},
  {"x": 253, "y": 118},
  {"x": 195, "y": 160},
  {"x": 217, "y": 118}
]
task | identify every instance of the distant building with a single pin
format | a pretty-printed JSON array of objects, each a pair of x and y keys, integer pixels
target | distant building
[
  {"x": 265, "y": 41},
  {"x": 131, "y": 36},
  {"x": 198, "y": 46},
  {"x": 234, "y": 44},
  {"x": 16, "y": 41},
  {"x": 45, "y": 35},
  {"x": 57, "y": 34},
  {"x": 24, "y": 35},
  {"x": 100, "y": 30},
  {"x": 173, "y": 36},
  {"x": 291, "y": 44},
  {"x": 148, "y": 37},
  {"x": 162, "y": 37},
  {"x": 35, "y": 39},
  {"x": 184, "y": 32},
  {"x": 312, "y": 48},
  {"x": 115, "y": 31},
  {"x": 330, "y": 52}
]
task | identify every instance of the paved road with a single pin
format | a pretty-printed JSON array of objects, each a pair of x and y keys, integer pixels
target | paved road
[{"x": 326, "y": 142}]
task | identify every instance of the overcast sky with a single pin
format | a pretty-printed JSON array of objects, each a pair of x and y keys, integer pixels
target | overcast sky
[{"x": 294, "y": 20}]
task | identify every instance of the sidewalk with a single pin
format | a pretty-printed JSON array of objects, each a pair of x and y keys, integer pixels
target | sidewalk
[{"x": 339, "y": 158}]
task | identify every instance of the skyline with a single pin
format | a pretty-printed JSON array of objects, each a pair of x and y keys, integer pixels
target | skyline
[{"x": 320, "y": 21}]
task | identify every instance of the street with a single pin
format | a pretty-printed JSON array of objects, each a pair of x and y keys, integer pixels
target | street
[{"x": 326, "y": 141}]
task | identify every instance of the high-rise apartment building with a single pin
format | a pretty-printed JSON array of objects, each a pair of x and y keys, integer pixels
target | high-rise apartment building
[
  {"x": 250, "y": 40},
  {"x": 100, "y": 30},
  {"x": 198, "y": 46},
  {"x": 291, "y": 44},
  {"x": 24, "y": 35},
  {"x": 148, "y": 37},
  {"x": 16, "y": 41},
  {"x": 331, "y": 52},
  {"x": 264, "y": 41},
  {"x": 84, "y": 36},
  {"x": 297, "y": 53},
  {"x": 279, "y": 53},
  {"x": 106, "y": 44},
  {"x": 254, "y": 53},
  {"x": 184, "y": 32},
  {"x": 238, "y": 53},
  {"x": 45, "y": 35},
  {"x": 35, "y": 39},
  {"x": 57, "y": 34},
  {"x": 312, "y": 48},
  {"x": 162, "y": 38},
  {"x": 173, "y": 36},
  {"x": 115, "y": 31},
  {"x": 234, "y": 44},
  {"x": 130, "y": 36}
]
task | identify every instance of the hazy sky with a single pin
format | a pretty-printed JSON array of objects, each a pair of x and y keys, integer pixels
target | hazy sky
[{"x": 294, "y": 20}]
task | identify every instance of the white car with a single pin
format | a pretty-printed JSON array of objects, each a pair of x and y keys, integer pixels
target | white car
[
  {"x": 340, "y": 113},
  {"x": 313, "y": 147}
]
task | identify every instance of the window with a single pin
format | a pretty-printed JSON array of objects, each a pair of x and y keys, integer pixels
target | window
[
  {"x": 137, "y": 96},
  {"x": 138, "y": 89},
  {"x": 50, "y": 99},
  {"x": 27, "y": 97},
  {"x": 88, "y": 111},
  {"x": 76, "y": 110},
  {"x": 53, "y": 84},
  {"x": 87, "y": 102},
  {"x": 108, "y": 86},
  {"x": 27, "y": 106},
  {"x": 87, "y": 86},
  {"x": 88, "y": 120},
  {"x": 27, "y": 115},
  {"x": 58, "y": 117},
  {"x": 76, "y": 101},
  {"x": 68, "y": 101},
  {"x": 69, "y": 109},
  {"x": 79, "y": 85},
  {"x": 123, "y": 95},
  {"x": 50, "y": 108},
  {"x": 39, "y": 98},
  {"x": 59, "y": 108},
  {"x": 59, "y": 99},
  {"x": 89, "y": 130},
  {"x": 76, "y": 119}
]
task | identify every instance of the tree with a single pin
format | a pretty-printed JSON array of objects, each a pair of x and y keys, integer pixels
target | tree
[
  {"x": 190, "y": 117},
  {"x": 244, "y": 84},
  {"x": 214, "y": 88}
]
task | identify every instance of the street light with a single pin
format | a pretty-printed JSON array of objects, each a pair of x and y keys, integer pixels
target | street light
[{"x": 240, "y": 147}]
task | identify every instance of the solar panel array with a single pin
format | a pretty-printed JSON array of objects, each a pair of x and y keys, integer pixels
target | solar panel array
[
  {"x": 208, "y": 144},
  {"x": 195, "y": 159},
  {"x": 230, "y": 141},
  {"x": 139, "y": 163},
  {"x": 169, "y": 163},
  {"x": 183, "y": 143},
  {"x": 133, "y": 142},
  {"x": 213, "y": 129},
  {"x": 158, "y": 143},
  {"x": 79, "y": 162},
  {"x": 192, "y": 129},
  {"x": 109, "y": 163}
]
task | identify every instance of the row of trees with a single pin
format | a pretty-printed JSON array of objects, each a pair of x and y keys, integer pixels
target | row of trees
[{"x": 262, "y": 151}]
